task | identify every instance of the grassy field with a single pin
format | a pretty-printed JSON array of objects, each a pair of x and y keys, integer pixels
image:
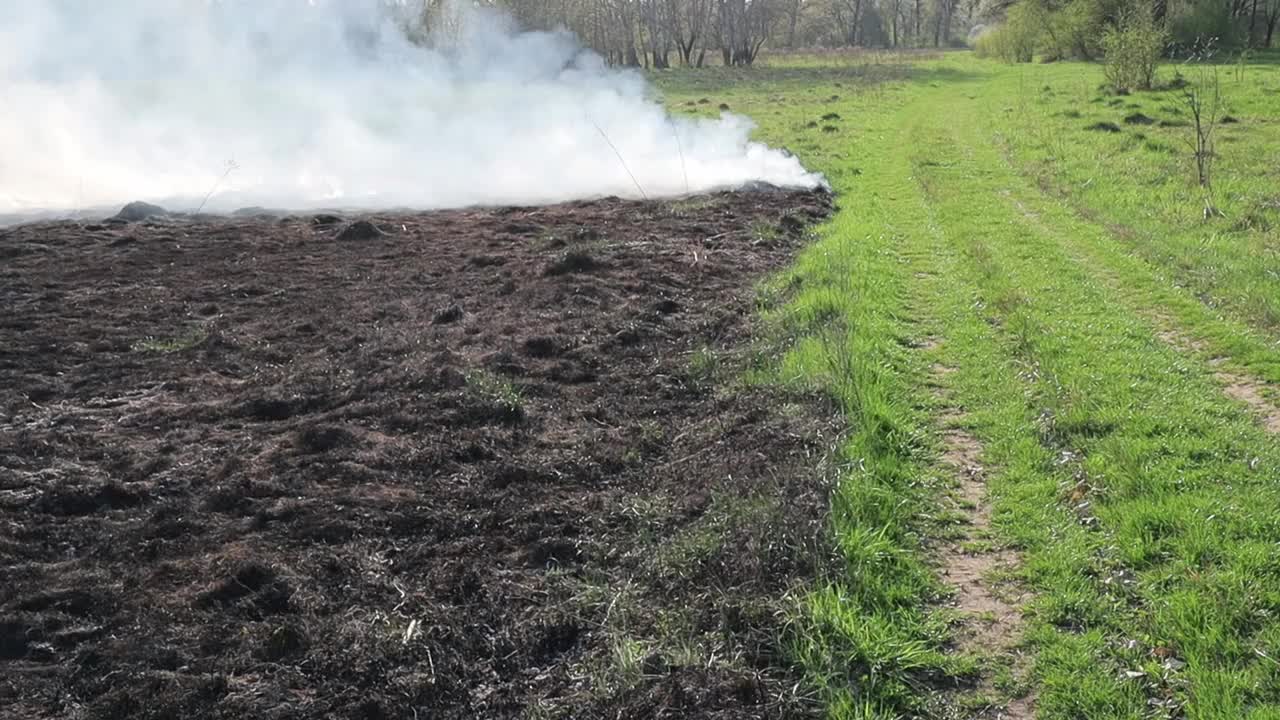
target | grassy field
[{"x": 1059, "y": 372}]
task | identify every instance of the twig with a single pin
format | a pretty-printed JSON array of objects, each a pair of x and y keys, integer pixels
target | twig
[
  {"x": 410, "y": 631},
  {"x": 620, "y": 159},
  {"x": 675, "y": 132},
  {"x": 231, "y": 165},
  {"x": 687, "y": 458}
]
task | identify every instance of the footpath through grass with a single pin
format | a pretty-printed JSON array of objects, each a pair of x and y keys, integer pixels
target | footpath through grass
[{"x": 1083, "y": 333}]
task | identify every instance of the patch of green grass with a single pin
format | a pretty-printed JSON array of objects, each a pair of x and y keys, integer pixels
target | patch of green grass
[
  {"x": 186, "y": 341},
  {"x": 703, "y": 542},
  {"x": 647, "y": 439},
  {"x": 496, "y": 390},
  {"x": 1150, "y": 187},
  {"x": 647, "y": 639},
  {"x": 628, "y": 662},
  {"x": 690, "y": 206},
  {"x": 764, "y": 233},
  {"x": 704, "y": 366}
]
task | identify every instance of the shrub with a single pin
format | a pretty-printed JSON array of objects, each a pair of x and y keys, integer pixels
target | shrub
[
  {"x": 1074, "y": 31},
  {"x": 1133, "y": 50},
  {"x": 1016, "y": 40}
]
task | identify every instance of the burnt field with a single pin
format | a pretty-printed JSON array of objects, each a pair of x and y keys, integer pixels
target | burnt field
[{"x": 479, "y": 463}]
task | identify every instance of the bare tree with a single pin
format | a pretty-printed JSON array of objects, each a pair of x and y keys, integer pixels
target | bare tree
[
  {"x": 743, "y": 27},
  {"x": 942, "y": 14},
  {"x": 896, "y": 11},
  {"x": 1271, "y": 17},
  {"x": 1203, "y": 99},
  {"x": 686, "y": 22},
  {"x": 624, "y": 17},
  {"x": 792, "y": 9},
  {"x": 847, "y": 16}
]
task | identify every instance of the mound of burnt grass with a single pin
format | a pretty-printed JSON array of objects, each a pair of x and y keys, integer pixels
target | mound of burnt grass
[{"x": 481, "y": 463}]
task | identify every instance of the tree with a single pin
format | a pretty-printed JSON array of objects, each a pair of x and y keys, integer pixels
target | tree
[
  {"x": 1271, "y": 17},
  {"x": 744, "y": 26},
  {"x": 847, "y": 17},
  {"x": 687, "y": 24},
  {"x": 944, "y": 12}
]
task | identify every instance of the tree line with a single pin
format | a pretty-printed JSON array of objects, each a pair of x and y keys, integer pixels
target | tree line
[
  {"x": 693, "y": 33},
  {"x": 1081, "y": 29}
]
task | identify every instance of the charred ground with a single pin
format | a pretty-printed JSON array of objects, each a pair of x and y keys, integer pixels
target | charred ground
[{"x": 475, "y": 463}]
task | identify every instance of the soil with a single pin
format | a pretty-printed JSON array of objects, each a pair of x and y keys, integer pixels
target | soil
[
  {"x": 991, "y": 622},
  {"x": 472, "y": 463},
  {"x": 1252, "y": 393},
  {"x": 1104, "y": 126}
]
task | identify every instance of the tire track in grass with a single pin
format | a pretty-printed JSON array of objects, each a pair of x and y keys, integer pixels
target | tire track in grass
[
  {"x": 882, "y": 641},
  {"x": 971, "y": 563},
  {"x": 987, "y": 608},
  {"x": 1233, "y": 346},
  {"x": 974, "y": 562},
  {"x": 991, "y": 616},
  {"x": 1002, "y": 305},
  {"x": 1242, "y": 387},
  {"x": 1251, "y": 393},
  {"x": 870, "y": 647}
]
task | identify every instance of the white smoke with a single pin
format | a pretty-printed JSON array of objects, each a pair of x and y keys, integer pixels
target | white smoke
[{"x": 326, "y": 103}]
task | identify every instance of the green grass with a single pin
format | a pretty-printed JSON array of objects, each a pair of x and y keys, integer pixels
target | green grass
[
  {"x": 1143, "y": 179},
  {"x": 1049, "y": 261},
  {"x": 189, "y": 339}
]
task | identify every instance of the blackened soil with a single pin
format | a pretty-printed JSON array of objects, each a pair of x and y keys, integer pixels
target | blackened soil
[{"x": 443, "y": 465}]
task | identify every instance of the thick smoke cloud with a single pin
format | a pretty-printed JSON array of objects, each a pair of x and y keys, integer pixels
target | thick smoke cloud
[{"x": 326, "y": 103}]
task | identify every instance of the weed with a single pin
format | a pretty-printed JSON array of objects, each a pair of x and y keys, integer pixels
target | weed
[
  {"x": 764, "y": 233},
  {"x": 628, "y": 662},
  {"x": 689, "y": 206},
  {"x": 496, "y": 391},
  {"x": 704, "y": 366}
]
